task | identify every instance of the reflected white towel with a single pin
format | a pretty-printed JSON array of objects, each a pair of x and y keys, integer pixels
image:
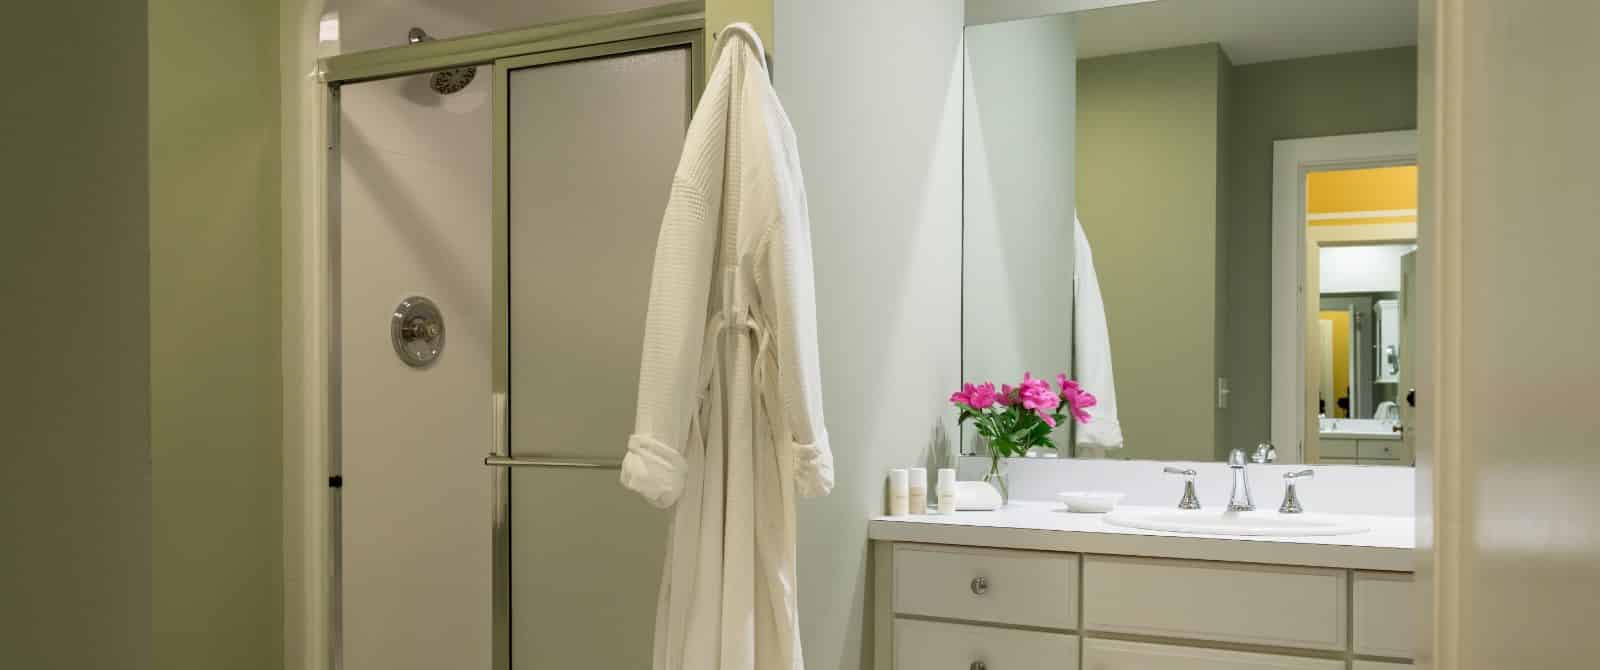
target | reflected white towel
[{"x": 1091, "y": 342}]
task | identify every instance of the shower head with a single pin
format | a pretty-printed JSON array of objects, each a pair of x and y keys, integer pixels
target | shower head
[{"x": 443, "y": 82}]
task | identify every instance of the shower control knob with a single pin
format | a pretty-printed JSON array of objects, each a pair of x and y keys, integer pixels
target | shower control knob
[{"x": 417, "y": 331}]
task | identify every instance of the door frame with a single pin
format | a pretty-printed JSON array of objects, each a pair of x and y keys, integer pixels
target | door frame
[
  {"x": 313, "y": 567},
  {"x": 1293, "y": 426}
]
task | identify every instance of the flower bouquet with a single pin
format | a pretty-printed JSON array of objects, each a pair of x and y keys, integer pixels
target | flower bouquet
[{"x": 1014, "y": 420}]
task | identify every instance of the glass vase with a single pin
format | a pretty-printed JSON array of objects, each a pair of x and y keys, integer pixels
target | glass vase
[{"x": 996, "y": 477}]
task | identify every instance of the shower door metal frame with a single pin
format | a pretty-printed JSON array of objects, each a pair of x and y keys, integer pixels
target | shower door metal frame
[
  {"x": 678, "y": 25},
  {"x": 694, "y": 41}
]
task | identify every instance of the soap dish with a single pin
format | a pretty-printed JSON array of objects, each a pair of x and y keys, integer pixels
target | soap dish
[{"x": 1090, "y": 502}]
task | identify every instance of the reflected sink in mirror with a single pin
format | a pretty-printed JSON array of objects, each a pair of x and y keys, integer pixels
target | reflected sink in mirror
[{"x": 1259, "y": 523}]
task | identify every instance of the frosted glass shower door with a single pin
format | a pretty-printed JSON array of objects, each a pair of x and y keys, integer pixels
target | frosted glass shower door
[{"x": 592, "y": 137}]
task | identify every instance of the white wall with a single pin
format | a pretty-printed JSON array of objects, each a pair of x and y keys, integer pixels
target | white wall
[
  {"x": 415, "y": 218},
  {"x": 1361, "y": 269},
  {"x": 874, "y": 92},
  {"x": 992, "y": 11},
  {"x": 1019, "y": 151}
]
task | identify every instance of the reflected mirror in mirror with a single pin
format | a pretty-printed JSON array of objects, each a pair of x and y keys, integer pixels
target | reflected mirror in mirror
[{"x": 1203, "y": 210}]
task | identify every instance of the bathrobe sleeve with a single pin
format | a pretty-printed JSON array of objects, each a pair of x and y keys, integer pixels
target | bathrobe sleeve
[
  {"x": 791, "y": 281},
  {"x": 674, "y": 331}
]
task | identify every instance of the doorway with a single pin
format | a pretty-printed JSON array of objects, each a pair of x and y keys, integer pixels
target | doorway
[{"x": 1349, "y": 200}]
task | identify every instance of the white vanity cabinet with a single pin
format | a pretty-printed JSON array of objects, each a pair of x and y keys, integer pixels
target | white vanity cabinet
[{"x": 991, "y": 608}]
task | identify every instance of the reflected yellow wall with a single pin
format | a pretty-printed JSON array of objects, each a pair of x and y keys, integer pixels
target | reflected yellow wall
[
  {"x": 1353, "y": 197},
  {"x": 1340, "y": 321}
]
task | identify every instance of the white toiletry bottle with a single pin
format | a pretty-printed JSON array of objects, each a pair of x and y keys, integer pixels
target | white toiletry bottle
[
  {"x": 919, "y": 490},
  {"x": 947, "y": 491},
  {"x": 899, "y": 492}
]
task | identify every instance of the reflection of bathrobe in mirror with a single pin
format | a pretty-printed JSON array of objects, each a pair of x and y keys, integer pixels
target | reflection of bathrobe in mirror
[
  {"x": 729, "y": 423},
  {"x": 1091, "y": 360}
]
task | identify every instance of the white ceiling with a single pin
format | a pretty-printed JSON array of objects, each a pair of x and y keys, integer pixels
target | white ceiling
[{"x": 1250, "y": 31}]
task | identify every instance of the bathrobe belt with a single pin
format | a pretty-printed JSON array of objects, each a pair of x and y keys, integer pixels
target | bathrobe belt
[{"x": 764, "y": 357}]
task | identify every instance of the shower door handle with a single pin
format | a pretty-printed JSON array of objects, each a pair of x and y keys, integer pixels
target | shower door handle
[{"x": 552, "y": 462}]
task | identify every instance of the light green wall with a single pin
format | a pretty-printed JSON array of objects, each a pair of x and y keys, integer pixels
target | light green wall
[
  {"x": 1362, "y": 92},
  {"x": 216, "y": 382},
  {"x": 74, "y": 386},
  {"x": 1147, "y": 176}
]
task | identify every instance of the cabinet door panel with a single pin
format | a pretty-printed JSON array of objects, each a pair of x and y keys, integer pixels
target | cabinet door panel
[
  {"x": 1383, "y": 614},
  {"x": 1231, "y": 602},
  {"x": 1119, "y": 655},
  {"x": 1026, "y": 588},
  {"x": 930, "y": 644}
]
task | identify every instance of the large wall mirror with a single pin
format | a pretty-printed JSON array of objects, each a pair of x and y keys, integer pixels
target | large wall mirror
[{"x": 1206, "y": 212}]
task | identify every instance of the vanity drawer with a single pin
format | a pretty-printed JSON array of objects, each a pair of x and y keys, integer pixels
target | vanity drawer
[
  {"x": 1380, "y": 450},
  {"x": 1380, "y": 665},
  {"x": 932, "y": 644},
  {"x": 1119, "y": 655},
  {"x": 1384, "y": 610},
  {"x": 1015, "y": 587},
  {"x": 1230, "y": 602},
  {"x": 1331, "y": 448}
]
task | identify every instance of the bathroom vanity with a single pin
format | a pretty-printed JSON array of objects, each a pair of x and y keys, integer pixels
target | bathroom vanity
[{"x": 1032, "y": 586}]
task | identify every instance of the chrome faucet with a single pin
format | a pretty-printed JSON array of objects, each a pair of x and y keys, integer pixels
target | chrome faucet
[
  {"x": 1291, "y": 501},
  {"x": 1239, "y": 500},
  {"x": 1189, "y": 501}
]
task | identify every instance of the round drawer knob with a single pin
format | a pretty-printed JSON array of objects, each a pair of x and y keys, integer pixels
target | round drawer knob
[
  {"x": 980, "y": 586},
  {"x": 978, "y": 665}
]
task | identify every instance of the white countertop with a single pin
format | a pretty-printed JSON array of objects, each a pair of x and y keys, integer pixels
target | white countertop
[{"x": 1048, "y": 526}]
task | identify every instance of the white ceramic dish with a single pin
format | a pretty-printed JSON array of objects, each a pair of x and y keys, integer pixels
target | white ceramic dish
[{"x": 1090, "y": 502}]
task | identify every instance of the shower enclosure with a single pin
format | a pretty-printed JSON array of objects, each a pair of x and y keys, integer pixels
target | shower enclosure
[{"x": 494, "y": 203}]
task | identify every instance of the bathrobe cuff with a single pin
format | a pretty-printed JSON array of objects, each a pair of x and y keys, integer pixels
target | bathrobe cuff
[
  {"x": 813, "y": 472},
  {"x": 654, "y": 470}
]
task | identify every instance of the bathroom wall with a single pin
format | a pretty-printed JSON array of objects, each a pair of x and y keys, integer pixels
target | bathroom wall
[
  {"x": 1017, "y": 238},
  {"x": 994, "y": 11},
  {"x": 215, "y": 378},
  {"x": 874, "y": 92},
  {"x": 1148, "y": 194},
  {"x": 75, "y": 403},
  {"x": 1361, "y": 92},
  {"x": 415, "y": 197}
]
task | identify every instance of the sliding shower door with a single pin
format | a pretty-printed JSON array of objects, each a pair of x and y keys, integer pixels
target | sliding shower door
[{"x": 588, "y": 140}]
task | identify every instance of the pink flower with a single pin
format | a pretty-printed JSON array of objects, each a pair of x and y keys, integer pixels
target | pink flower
[
  {"x": 975, "y": 396},
  {"x": 1008, "y": 395},
  {"x": 982, "y": 396},
  {"x": 1077, "y": 399},
  {"x": 1037, "y": 396}
]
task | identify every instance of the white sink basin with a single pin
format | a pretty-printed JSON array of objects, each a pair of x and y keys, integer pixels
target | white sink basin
[{"x": 1258, "y": 523}]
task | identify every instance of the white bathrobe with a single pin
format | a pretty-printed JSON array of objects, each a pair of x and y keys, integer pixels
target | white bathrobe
[
  {"x": 729, "y": 422},
  {"x": 1091, "y": 343}
]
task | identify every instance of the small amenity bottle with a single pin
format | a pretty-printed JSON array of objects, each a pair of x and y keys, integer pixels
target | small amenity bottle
[
  {"x": 919, "y": 490},
  {"x": 899, "y": 492},
  {"x": 947, "y": 491}
]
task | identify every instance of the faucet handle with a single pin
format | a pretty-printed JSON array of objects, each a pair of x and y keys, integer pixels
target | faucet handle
[
  {"x": 1190, "y": 500},
  {"x": 1291, "y": 500},
  {"x": 1265, "y": 453}
]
